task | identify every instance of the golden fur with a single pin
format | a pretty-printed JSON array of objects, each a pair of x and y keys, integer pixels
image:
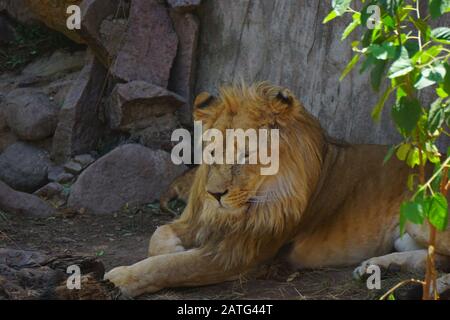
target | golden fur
[{"x": 330, "y": 204}]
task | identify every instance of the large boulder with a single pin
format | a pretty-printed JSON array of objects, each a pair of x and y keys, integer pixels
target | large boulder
[
  {"x": 184, "y": 5},
  {"x": 79, "y": 127},
  {"x": 58, "y": 63},
  {"x": 24, "y": 167},
  {"x": 182, "y": 74},
  {"x": 131, "y": 174},
  {"x": 103, "y": 41},
  {"x": 30, "y": 114},
  {"x": 134, "y": 105},
  {"x": 149, "y": 46},
  {"x": 7, "y": 31},
  {"x": 18, "y": 10},
  {"x": 16, "y": 202},
  {"x": 54, "y": 15}
]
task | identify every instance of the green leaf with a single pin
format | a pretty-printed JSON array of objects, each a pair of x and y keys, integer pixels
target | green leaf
[
  {"x": 352, "y": 26},
  {"x": 406, "y": 113},
  {"x": 402, "y": 151},
  {"x": 438, "y": 212},
  {"x": 389, "y": 154},
  {"x": 391, "y": 6},
  {"x": 431, "y": 75},
  {"x": 401, "y": 66},
  {"x": 376, "y": 75},
  {"x": 439, "y": 7},
  {"x": 376, "y": 112},
  {"x": 413, "y": 211},
  {"x": 426, "y": 56},
  {"x": 383, "y": 52},
  {"x": 388, "y": 21},
  {"x": 330, "y": 17},
  {"x": 410, "y": 182},
  {"x": 349, "y": 66},
  {"x": 340, "y": 6},
  {"x": 441, "y": 34},
  {"x": 413, "y": 158},
  {"x": 436, "y": 116}
]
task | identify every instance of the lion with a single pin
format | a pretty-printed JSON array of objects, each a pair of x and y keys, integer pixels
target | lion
[{"x": 331, "y": 204}]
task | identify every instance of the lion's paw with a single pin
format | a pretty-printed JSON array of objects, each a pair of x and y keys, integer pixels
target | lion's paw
[
  {"x": 360, "y": 273},
  {"x": 121, "y": 278}
]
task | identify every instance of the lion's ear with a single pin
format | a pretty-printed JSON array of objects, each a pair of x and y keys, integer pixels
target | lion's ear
[
  {"x": 285, "y": 97},
  {"x": 203, "y": 100}
]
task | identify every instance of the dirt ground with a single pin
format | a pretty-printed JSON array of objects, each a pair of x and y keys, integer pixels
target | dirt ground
[{"x": 122, "y": 239}]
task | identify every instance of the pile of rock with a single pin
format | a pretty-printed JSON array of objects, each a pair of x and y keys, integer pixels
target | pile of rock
[{"x": 133, "y": 85}]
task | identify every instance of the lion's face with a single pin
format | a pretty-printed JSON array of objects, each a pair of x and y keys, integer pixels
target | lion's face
[{"x": 235, "y": 187}]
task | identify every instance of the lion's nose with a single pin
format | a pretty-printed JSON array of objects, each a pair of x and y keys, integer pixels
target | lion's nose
[{"x": 218, "y": 195}]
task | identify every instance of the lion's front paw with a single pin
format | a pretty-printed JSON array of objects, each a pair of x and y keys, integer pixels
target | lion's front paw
[
  {"x": 121, "y": 278},
  {"x": 360, "y": 273}
]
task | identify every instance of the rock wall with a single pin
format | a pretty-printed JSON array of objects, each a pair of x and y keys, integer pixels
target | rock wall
[{"x": 285, "y": 42}]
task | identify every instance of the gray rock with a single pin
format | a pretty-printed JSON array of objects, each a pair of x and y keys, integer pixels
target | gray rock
[
  {"x": 7, "y": 32},
  {"x": 104, "y": 42},
  {"x": 49, "y": 190},
  {"x": 30, "y": 114},
  {"x": 65, "y": 178},
  {"x": 58, "y": 63},
  {"x": 131, "y": 174},
  {"x": 79, "y": 127},
  {"x": 59, "y": 175},
  {"x": 6, "y": 139},
  {"x": 84, "y": 159},
  {"x": 184, "y": 5},
  {"x": 149, "y": 47},
  {"x": 158, "y": 135},
  {"x": 54, "y": 172},
  {"x": 16, "y": 202},
  {"x": 24, "y": 167},
  {"x": 183, "y": 70},
  {"x": 18, "y": 10},
  {"x": 134, "y": 105},
  {"x": 73, "y": 167},
  {"x": 21, "y": 259}
]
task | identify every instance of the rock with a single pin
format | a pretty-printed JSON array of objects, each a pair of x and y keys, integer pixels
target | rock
[
  {"x": 158, "y": 135},
  {"x": 6, "y": 139},
  {"x": 130, "y": 174},
  {"x": 111, "y": 33},
  {"x": 54, "y": 15},
  {"x": 18, "y": 10},
  {"x": 53, "y": 193},
  {"x": 24, "y": 167},
  {"x": 58, "y": 89},
  {"x": 134, "y": 105},
  {"x": 184, "y": 5},
  {"x": 60, "y": 62},
  {"x": 23, "y": 203},
  {"x": 30, "y": 114},
  {"x": 21, "y": 258},
  {"x": 149, "y": 46},
  {"x": 73, "y": 167},
  {"x": 7, "y": 31},
  {"x": 79, "y": 127},
  {"x": 84, "y": 160},
  {"x": 59, "y": 175},
  {"x": 50, "y": 190},
  {"x": 103, "y": 39},
  {"x": 54, "y": 172},
  {"x": 184, "y": 67}
]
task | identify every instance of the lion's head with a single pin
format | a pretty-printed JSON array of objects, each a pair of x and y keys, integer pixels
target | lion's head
[{"x": 233, "y": 204}]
